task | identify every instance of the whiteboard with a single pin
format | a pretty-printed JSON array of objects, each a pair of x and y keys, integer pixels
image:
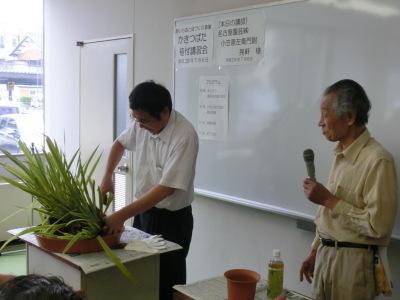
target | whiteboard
[{"x": 274, "y": 103}]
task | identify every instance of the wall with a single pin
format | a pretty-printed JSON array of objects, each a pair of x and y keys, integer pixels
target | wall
[
  {"x": 225, "y": 235},
  {"x": 12, "y": 201}
]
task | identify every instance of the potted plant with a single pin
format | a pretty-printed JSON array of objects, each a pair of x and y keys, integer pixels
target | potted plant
[{"x": 71, "y": 207}]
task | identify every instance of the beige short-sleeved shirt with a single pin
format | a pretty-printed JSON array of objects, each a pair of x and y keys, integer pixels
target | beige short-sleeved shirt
[{"x": 364, "y": 178}]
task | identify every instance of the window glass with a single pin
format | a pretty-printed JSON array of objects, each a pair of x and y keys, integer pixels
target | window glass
[
  {"x": 21, "y": 74},
  {"x": 120, "y": 105}
]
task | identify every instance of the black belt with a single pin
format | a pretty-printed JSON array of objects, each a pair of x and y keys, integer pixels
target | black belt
[{"x": 332, "y": 243}]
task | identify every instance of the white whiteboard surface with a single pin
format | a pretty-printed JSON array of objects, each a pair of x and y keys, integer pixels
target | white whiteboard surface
[{"x": 274, "y": 104}]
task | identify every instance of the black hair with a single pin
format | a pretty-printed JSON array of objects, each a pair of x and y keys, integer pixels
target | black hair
[
  {"x": 350, "y": 96},
  {"x": 150, "y": 97},
  {"x": 37, "y": 287}
]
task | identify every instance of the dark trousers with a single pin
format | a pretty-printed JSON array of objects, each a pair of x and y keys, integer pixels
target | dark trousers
[{"x": 174, "y": 226}]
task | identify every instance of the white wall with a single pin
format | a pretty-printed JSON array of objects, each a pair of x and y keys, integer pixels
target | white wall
[
  {"x": 225, "y": 235},
  {"x": 229, "y": 236},
  {"x": 11, "y": 201}
]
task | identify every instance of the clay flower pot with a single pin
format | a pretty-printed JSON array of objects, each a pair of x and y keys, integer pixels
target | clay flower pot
[
  {"x": 241, "y": 284},
  {"x": 80, "y": 246}
]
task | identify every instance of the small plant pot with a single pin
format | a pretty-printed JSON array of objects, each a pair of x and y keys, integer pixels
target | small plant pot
[
  {"x": 80, "y": 246},
  {"x": 241, "y": 284}
]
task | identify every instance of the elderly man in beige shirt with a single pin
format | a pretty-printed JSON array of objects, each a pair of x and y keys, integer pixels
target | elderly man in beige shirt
[{"x": 358, "y": 208}]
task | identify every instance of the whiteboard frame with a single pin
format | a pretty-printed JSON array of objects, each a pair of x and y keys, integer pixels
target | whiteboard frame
[{"x": 265, "y": 207}]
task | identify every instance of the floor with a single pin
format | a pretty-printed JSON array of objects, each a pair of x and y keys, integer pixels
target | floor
[{"x": 13, "y": 260}]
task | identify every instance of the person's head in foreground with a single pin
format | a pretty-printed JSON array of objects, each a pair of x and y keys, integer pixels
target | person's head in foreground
[{"x": 36, "y": 287}]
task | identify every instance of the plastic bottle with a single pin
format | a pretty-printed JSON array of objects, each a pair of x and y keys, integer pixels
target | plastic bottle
[{"x": 275, "y": 275}]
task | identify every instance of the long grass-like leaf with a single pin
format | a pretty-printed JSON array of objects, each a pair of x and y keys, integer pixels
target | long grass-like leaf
[
  {"x": 13, "y": 214},
  {"x": 25, "y": 231},
  {"x": 72, "y": 241},
  {"x": 69, "y": 203},
  {"x": 117, "y": 261}
]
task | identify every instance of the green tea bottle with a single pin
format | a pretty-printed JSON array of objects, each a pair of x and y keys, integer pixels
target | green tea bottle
[{"x": 275, "y": 275}]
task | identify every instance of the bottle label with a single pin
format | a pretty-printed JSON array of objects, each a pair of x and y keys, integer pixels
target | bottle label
[{"x": 275, "y": 282}]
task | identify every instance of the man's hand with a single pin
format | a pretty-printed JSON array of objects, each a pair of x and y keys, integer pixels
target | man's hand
[
  {"x": 114, "y": 224},
  {"x": 107, "y": 185},
  {"x": 307, "y": 267},
  {"x": 318, "y": 194}
]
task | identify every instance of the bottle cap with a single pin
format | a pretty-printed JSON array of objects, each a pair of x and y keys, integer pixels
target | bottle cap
[{"x": 276, "y": 252}]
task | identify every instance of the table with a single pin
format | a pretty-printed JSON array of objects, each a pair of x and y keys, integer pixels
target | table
[
  {"x": 214, "y": 288},
  {"x": 95, "y": 273}
]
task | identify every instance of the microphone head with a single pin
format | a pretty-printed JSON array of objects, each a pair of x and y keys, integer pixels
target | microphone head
[{"x": 308, "y": 155}]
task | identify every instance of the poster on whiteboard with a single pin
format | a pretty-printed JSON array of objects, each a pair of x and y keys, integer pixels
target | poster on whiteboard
[
  {"x": 240, "y": 39},
  {"x": 213, "y": 107},
  {"x": 194, "y": 45}
]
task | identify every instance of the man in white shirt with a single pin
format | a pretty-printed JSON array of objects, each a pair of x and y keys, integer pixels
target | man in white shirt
[{"x": 166, "y": 147}]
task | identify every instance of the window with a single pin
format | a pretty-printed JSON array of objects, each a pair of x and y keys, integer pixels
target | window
[{"x": 21, "y": 74}]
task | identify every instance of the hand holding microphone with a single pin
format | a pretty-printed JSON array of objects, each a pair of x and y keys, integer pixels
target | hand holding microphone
[
  {"x": 313, "y": 190},
  {"x": 308, "y": 156}
]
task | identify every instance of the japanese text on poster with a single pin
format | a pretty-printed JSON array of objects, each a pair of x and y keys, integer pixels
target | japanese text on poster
[
  {"x": 194, "y": 45},
  {"x": 240, "y": 40},
  {"x": 213, "y": 107}
]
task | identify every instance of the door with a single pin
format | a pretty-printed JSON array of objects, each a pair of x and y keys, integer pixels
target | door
[{"x": 106, "y": 79}]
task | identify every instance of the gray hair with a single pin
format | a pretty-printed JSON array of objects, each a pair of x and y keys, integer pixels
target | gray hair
[{"x": 350, "y": 96}]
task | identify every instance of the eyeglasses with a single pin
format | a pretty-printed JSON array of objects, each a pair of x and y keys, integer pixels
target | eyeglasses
[{"x": 142, "y": 122}]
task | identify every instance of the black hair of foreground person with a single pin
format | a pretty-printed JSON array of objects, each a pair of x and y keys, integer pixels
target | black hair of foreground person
[{"x": 37, "y": 287}]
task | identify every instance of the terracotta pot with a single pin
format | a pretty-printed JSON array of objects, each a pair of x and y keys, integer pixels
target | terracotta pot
[
  {"x": 80, "y": 246},
  {"x": 241, "y": 284}
]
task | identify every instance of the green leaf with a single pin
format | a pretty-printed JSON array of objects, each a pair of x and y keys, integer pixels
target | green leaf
[
  {"x": 117, "y": 261},
  {"x": 72, "y": 241},
  {"x": 28, "y": 230},
  {"x": 65, "y": 195}
]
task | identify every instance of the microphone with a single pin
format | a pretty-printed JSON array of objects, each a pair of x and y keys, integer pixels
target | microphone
[{"x": 308, "y": 156}]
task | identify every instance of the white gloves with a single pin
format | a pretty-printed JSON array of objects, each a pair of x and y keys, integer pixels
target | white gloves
[{"x": 152, "y": 244}]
